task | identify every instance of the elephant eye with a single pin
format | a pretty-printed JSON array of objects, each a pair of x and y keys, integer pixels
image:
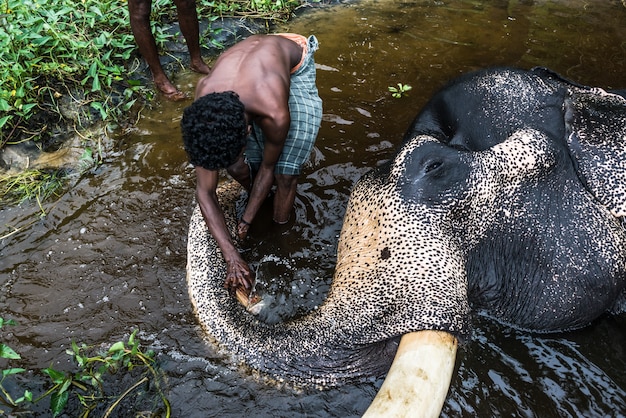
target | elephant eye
[{"x": 432, "y": 165}]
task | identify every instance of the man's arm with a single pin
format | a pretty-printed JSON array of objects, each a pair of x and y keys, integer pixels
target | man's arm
[{"x": 238, "y": 271}]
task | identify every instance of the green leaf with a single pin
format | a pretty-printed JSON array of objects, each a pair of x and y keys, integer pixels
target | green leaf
[
  {"x": 40, "y": 40},
  {"x": 95, "y": 85},
  {"x": 117, "y": 355},
  {"x": 86, "y": 158},
  {"x": 28, "y": 396},
  {"x": 27, "y": 107},
  {"x": 58, "y": 402},
  {"x": 66, "y": 384},
  {"x": 81, "y": 360},
  {"x": 93, "y": 70},
  {"x": 7, "y": 352},
  {"x": 100, "y": 108},
  {"x": 3, "y": 321},
  {"x": 4, "y": 120},
  {"x": 126, "y": 107},
  {"x": 75, "y": 348},
  {"x": 118, "y": 346},
  {"x": 15, "y": 370},
  {"x": 131, "y": 339},
  {"x": 56, "y": 376},
  {"x": 4, "y": 107},
  {"x": 95, "y": 10}
]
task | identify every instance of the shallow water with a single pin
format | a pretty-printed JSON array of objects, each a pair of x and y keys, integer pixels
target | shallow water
[{"x": 110, "y": 255}]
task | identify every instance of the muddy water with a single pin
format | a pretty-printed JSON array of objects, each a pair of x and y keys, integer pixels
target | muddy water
[{"x": 110, "y": 255}]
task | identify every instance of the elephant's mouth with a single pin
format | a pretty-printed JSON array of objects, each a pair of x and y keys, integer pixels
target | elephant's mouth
[{"x": 418, "y": 380}]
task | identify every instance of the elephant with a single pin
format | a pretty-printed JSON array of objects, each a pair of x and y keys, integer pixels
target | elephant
[{"x": 506, "y": 196}]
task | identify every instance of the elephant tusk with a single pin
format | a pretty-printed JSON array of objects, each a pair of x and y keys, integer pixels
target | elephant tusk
[{"x": 418, "y": 380}]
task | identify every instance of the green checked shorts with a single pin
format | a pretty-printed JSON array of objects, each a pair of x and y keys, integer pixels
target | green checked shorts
[{"x": 305, "y": 108}]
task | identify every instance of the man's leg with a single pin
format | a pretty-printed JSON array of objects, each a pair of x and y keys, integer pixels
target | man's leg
[
  {"x": 139, "y": 11},
  {"x": 188, "y": 20},
  {"x": 286, "y": 186}
]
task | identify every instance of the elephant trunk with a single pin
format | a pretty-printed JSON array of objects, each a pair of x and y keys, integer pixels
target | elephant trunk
[
  {"x": 315, "y": 348},
  {"x": 419, "y": 378}
]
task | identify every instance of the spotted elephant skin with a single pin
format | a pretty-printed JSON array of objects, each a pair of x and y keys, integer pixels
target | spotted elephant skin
[
  {"x": 506, "y": 196},
  {"x": 317, "y": 348},
  {"x": 542, "y": 241}
]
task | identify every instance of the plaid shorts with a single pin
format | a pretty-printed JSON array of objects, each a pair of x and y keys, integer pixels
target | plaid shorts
[{"x": 305, "y": 108}]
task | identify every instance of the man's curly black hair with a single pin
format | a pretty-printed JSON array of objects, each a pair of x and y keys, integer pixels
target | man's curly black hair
[{"x": 214, "y": 130}]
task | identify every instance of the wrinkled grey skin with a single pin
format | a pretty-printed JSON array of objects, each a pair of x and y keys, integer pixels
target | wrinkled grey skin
[{"x": 517, "y": 213}]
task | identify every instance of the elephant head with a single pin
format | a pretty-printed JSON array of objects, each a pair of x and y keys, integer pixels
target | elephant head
[{"x": 519, "y": 219}]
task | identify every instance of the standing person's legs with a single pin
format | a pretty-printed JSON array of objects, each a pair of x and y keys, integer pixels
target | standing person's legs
[
  {"x": 139, "y": 11},
  {"x": 188, "y": 20}
]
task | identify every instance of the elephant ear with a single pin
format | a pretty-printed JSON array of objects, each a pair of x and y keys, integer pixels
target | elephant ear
[{"x": 595, "y": 123}]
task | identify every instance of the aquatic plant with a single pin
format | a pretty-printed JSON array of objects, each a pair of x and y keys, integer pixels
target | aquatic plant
[
  {"x": 7, "y": 352},
  {"x": 400, "y": 90},
  {"x": 89, "y": 385}
]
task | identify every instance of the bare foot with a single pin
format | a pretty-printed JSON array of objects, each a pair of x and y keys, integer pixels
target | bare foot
[
  {"x": 176, "y": 96},
  {"x": 200, "y": 67},
  {"x": 170, "y": 91}
]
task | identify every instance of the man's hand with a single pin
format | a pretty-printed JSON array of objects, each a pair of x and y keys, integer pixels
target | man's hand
[
  {"x": 242, "y": 229},
  {"x": 238, "y": 276}
]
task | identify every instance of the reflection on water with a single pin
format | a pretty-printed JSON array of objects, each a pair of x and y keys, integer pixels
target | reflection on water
[{"x": 110, "y": 256}]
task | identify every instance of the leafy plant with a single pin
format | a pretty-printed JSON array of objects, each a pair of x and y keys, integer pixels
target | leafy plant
[
  {"x": 7, "y": 352},
  {"x": 263, "y": 9},
  {"x": 48, "y": 43},
  {"x": 400, "y": 90},
  {"x": 89, "y": 384}
]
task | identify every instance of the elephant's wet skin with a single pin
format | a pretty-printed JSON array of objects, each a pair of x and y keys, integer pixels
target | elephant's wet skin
[
  {"x": 520, "y": 234},
  {"x": 317, "y": 348},
  {"x": 541, "y": 243},
  {"x": 480, "y": 109},
  {"x": 505, "y": 196},
  {"x": 596, "y": 138}
]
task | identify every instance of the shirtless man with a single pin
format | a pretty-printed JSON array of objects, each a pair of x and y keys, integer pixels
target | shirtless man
[{"x": 256, "y": 114}]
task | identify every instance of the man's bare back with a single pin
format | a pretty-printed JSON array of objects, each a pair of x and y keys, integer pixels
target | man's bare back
[{"x": 258, "y": 64}]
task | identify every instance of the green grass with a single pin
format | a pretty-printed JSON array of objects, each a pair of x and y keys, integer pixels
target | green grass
[{"x": 32, "y": 184}]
